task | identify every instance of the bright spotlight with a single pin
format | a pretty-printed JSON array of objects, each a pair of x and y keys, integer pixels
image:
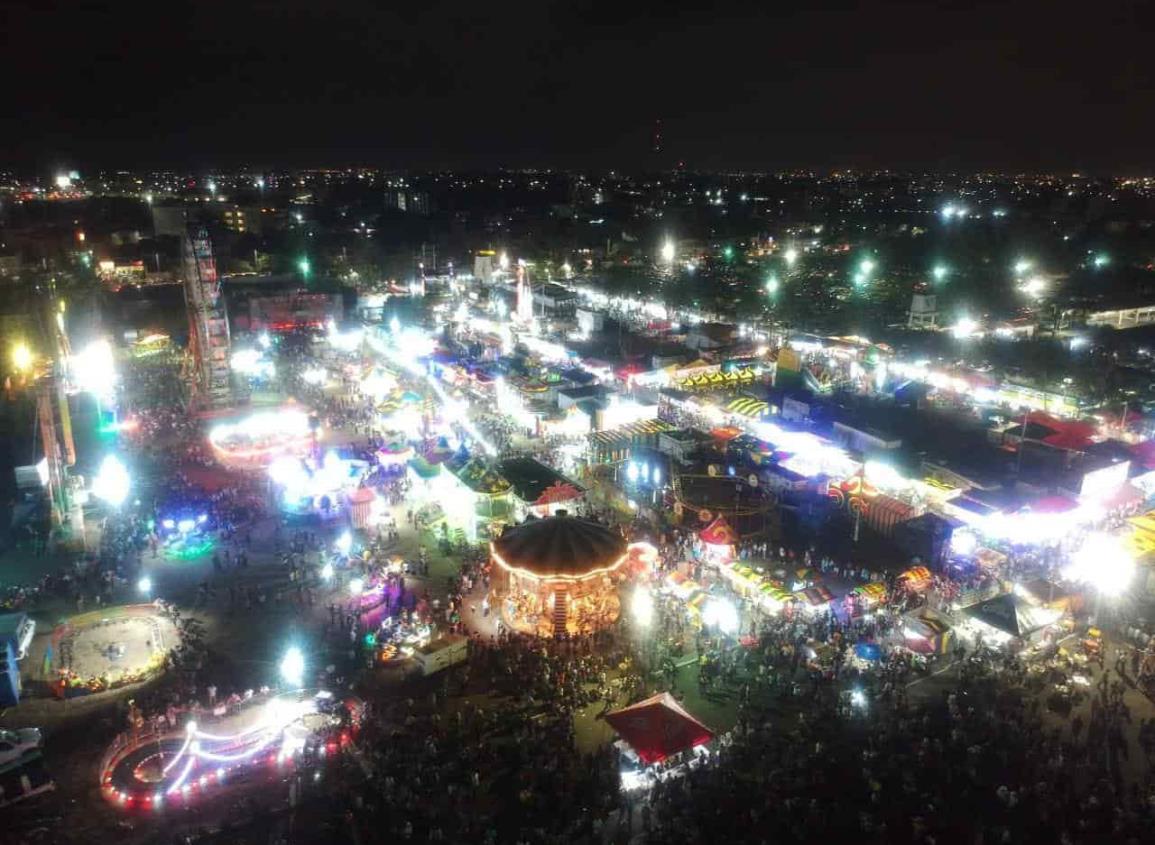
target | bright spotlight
[
  {"x": 772, "y": 285},
  {"x": 356, "y": 586},
  {"x": 21, "y": 357},
  {"x": 642, "y": 606},
  {"x": 344, "y": 543},
  {"x": 964, "y": 328},
  {"x": 791, "y": 255},
  {"x": 144, "y": 586},
  {"x": 112, "y": 483},
  {"x": 939, "y": 273},
  {"x": 293, "y": 667},
  {"x": 327, "y": 571},
  {"x": 669, "y": 252},
  {"x": 858, "y": 698},
  {"x": 503, "y": 261},
  {"x": 866, "y": 267},
  {"x": 963, "y": 542},
  {"x": 721, "y": 614},
  {"x": 93, "y": 370},
  {"x": 1035, "y": 286},
  {"x": 1022, "y": 266},
  {"x": 1103, "y": 564}
]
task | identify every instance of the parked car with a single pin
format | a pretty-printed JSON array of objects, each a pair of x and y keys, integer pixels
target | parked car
[{"x": 15, "y": 744}]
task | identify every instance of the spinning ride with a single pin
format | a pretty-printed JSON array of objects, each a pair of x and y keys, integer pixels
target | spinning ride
[
  {"x": 559, "y": 575},
  {"x": 150, "y": 770}
]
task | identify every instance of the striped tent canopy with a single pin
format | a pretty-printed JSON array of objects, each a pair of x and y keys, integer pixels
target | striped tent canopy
[
  {"x": 632, "y": 431},
  {"x": 915, "y": 578},
  {"x": 747, "y": 407},
  {"x": 873, "y": 591},
  {"x": 815, "y": 596},
  {"x": 776, "y": 593}
]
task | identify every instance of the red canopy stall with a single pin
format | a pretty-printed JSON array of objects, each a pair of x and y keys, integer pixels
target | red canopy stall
[{"x": 658, "y": 727}]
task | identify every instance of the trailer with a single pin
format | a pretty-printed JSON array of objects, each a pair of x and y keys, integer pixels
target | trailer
[{"x": 442, "y": 653}]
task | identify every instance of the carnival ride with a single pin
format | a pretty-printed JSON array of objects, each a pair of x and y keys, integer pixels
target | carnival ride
[
  {"x": 149, "y": 770},
  {"x": 309, "y": 487},
  {"x": 185, "y": 538},
  {"x": 261, "y": 437},
  {"x": 746, "y": 506},
  {"x": 108, "y": 649}
]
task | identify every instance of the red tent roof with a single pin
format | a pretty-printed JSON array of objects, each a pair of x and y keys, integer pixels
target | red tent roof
[
  {"x": 718, "y": 533},
  {"x": 658, "y": 727},
  {"x": 1072, "y": 435}
]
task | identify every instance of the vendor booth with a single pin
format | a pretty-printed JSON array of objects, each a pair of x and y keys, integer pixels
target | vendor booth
[{"x": 658, "y": 727}]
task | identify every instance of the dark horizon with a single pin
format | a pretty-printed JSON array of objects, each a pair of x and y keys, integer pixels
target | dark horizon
[{"x": 900, "y": 86}]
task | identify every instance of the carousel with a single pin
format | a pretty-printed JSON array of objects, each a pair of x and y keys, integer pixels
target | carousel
[{"x": 559, "y": 576}]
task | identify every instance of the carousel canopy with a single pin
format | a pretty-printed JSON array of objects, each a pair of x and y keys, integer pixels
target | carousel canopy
[
  {"x": 658, "y": 727},
  {"x": 561, "y": 545}
]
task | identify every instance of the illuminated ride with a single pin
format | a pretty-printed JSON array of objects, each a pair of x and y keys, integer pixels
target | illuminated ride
[
  {"x": 746, "y": 506},
  {"x": 185, "y": 538},
  {"x": 559, "y": 575},
  {"x": 260, "y": 438},
  {"x": 108, "y": 649},
  {"x": 149, "y": 771},
  {"x": 310, "y": 488}
]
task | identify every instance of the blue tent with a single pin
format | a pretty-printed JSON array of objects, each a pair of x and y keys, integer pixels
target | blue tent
[{"x": 868, "y": 651}]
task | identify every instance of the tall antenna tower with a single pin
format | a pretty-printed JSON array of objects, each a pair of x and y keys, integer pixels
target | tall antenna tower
[{"x": 208, "y": 322}]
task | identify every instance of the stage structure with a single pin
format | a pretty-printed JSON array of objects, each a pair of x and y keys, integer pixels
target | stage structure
[{"x": 208, "y": 322}]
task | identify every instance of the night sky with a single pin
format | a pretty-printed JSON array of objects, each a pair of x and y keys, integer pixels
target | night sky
[{"x": 1023, "y": 85}]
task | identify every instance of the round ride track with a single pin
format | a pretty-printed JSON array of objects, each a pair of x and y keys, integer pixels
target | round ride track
[{"x": 150, "y": 770}]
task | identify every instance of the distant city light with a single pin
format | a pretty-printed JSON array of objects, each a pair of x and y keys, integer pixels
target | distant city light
[
  {"x": 790, "y": 256},
  {"x": 1102, "y": 260},
  {"x": 304, "y": 266},
  {"x": 939, "y": 272},
  {"x": 772, "y": 285},
  {"x": 1022, "y": 266},
  {"x": 63, "y": 181},
  {"x": 669, "y": 252}
]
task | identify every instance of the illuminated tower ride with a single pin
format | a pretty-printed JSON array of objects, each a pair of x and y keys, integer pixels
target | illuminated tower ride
[{"x": 208, "y": 322}]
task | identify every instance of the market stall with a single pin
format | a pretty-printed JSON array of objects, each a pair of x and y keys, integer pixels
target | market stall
[{"x": 658, "y": 728}]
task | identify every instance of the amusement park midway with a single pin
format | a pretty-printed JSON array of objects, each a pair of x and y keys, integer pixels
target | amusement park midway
[{"x": 446, "y": 576}]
